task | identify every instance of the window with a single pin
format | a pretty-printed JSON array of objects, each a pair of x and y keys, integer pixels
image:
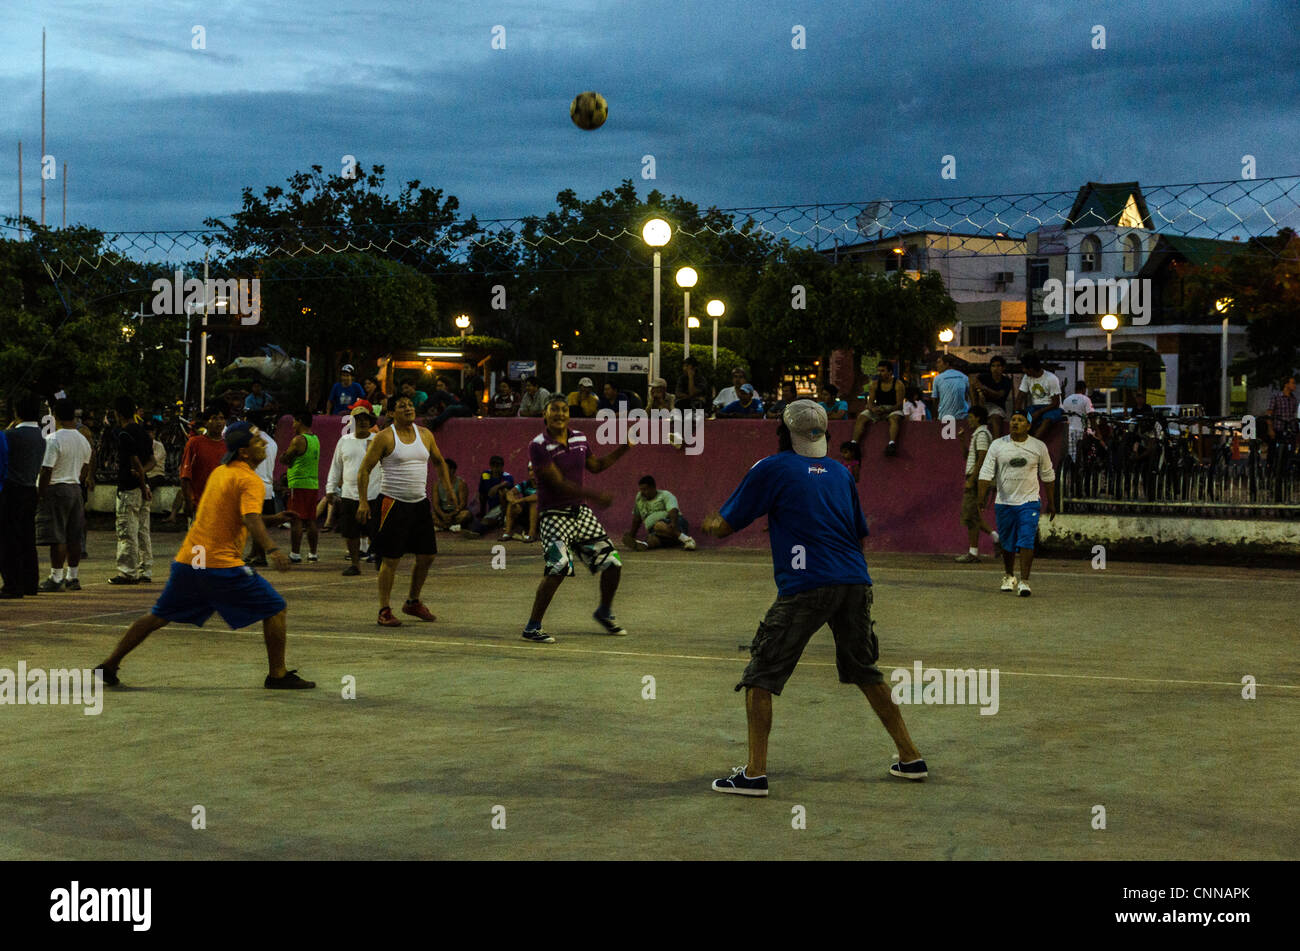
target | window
[
  {"x": 1090, "y": 254},
  {"x": 983, "y": 336},
  {"x": 1132, "y": 253},
  {"x": 1037, "y": 273}
]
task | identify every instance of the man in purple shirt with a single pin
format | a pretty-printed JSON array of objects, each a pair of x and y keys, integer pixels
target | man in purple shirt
[{"x": 567, "y": 527}]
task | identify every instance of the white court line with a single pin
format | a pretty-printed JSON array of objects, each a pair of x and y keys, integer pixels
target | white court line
[{"x": 552, "y": 649}]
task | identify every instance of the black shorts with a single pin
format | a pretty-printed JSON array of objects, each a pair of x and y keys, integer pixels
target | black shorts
[
  {"x": 349, "y": 527},
  {"x": 402, "y": 528},
  {"x": 792, "y": 621}
]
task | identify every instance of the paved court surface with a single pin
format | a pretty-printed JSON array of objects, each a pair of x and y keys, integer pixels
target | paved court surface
[{"x": 1119, "y": 688}]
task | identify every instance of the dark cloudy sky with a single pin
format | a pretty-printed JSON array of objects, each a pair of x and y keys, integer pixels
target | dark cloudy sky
[{"x": 159, "y": 135}]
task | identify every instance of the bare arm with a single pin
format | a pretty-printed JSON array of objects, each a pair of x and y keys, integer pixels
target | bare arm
[
  {"x": 595, "y": 465},
  {"x": 716, "y": 526},
  {"x": 257, "y": 529},
  {"x": 444, "y": 474},
  {"x": 297, "y": 446},
  {"x": 379, "y": 447}
]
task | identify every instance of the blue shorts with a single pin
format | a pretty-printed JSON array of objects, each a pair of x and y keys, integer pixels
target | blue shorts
[
  {"x": 1017, "y": 525},
  {"x": 240, "y": 595},
  {"x": 1040, "y": 413}
]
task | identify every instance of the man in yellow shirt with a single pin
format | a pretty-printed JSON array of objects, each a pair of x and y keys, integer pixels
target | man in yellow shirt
[{"x": 209, "y": 575}]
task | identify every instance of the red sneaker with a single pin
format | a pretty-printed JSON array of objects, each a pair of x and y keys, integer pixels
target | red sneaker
[
  {"x": 386, "y": 618},
  {"x": 417, "y": 609}
]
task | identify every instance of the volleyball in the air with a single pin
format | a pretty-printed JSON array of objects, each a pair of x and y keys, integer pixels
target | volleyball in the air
[{"x": 589, "y": 110}]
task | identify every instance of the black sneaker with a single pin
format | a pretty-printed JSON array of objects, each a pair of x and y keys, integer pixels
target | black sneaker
[
  {"x": 122, "y": 579},
  {"x": 740, "y": 784},
  {"x": 49, "y": 584},
  {"x": 72, "y": 584},
  {"x": 913, "y": 770},
  {"x": 110, "y": 676},
  {"x": 537, "y": 636},
  {"x": 609, "y": 623},
  {"x": 351, "y": 571},
  {"x": 290, "y": 681}
]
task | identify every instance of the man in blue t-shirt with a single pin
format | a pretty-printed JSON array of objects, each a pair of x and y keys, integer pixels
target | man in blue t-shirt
[
  {"x": 816, "y": 529},
  {"x": 951, "y": 390},
  {"x": 344, "y": 393}
]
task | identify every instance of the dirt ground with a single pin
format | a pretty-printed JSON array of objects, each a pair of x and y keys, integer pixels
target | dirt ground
[{"x": 1120, "y": 688}]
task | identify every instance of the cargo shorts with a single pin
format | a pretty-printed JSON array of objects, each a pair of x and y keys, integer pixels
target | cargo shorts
[{"x": 792, "y": 621}]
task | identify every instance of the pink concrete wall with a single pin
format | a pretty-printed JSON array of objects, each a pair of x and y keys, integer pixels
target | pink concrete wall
[{"x": 912, "y": 501}]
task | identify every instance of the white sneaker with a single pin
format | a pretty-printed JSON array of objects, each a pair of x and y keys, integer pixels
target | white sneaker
[
  {"x": 689, "y": 544},
  {"x": 295, "y": 557},
  {"x": 1008, "y": 583},
  {"x": 1023, "y": 590},
  {"x": 455, "y": 528},
  {"x": 312, "y": 557}
]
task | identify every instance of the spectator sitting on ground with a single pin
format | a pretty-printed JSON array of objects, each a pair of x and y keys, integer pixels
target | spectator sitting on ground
[
  {"x": 951, "y": 390},
  {"x": 344, "y": 393},
  {"x": 506, "y": 401},
  {"x": 748, "y": 405},
  {"x": 451, "y": 514},
  {"x": 851, "y": 456},
  {"x": 730, "y": 394},
  {"x": 521, "y": 499},
  {"x": 884, "y": 401},
  {"x": 583, "y": 402},
  {"x": 829, "y": 398},
  {"x": 660, "y": 398},
  {"x": 493, "y": 485},
  {"x": 775, "y": 408},
  {"x": 914, "y": 407},
  {"x": 693, "y": 390},
  {"x": 657, "y": 509},
  {"x": 612, "y": 396},
  {"x": 534, "y": 398},
  {"x": 1040, "y": 395}
]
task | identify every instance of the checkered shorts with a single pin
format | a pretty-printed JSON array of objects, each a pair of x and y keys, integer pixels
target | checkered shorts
[{"x": 574, "y": 530}]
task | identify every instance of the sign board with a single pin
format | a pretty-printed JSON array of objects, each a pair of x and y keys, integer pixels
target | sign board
[
  {"x": 1100, "y": 375},
  {"x": 572, "y": 364},
  {"x": 519, "y": 369}
]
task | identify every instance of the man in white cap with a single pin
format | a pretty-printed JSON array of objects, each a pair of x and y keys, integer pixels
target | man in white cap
[
  {"x": 816, "y": 527},
  {"x": 348, "y": 453},
  {"x": 583, "y": 401},
  {"x": 344, "y": 393}
]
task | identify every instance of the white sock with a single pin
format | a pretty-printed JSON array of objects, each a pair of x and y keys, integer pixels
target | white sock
[
  {"x": 975, "y": 551},
  {"x": 72, "y": 573},
  {"x": 994, "y": 536},
  {"x": 745, "y": 772},
  {"x": 56, "y": 574},
  {"x": 683, "y": 537}
]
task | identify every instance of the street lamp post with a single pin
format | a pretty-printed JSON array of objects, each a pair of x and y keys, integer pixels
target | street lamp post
[
  {"x": 715, "y": 309},
  {"x": 462, "y": 323},
  {"x": 1222, "y": 305},
  {"x": 945, "y": 338},
  {"x": 656, "y": 234},
  {"x": 686, "y": 278},
  {"x": 1108, "y": 323}
]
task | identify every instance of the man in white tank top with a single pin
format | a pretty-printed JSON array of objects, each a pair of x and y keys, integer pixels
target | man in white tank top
[{"x": 404, "y": 520}]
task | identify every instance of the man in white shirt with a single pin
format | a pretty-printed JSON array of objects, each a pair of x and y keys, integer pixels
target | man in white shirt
[
  {"x": 1076, "y": 407},
  {"x": 972, "y": 512},
  {"x": 1040, "y": 394},
  {"x": 731, "y": 394},
  {"x": 60, "y": 510},
  {"x": 1017, "y": 462},
  {"x": 342, "y": 480},
  {"x": 266, "y": 472}
]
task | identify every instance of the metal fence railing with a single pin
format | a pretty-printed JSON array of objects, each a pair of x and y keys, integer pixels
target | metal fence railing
[{"x": 1196, "y": 466}]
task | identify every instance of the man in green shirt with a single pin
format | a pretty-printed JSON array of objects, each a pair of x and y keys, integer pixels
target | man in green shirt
[
  {"x": 303, "y": 459},
  {"x": 657, "y": 509}
]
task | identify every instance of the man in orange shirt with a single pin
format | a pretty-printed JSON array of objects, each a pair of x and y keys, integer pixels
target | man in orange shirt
[{"x": 209, "y": 574}]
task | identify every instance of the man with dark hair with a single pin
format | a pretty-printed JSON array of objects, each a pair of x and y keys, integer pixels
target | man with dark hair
[
  {"x": 451, "y": 512},
  {"x": 884, "y": 401},
  {"x": 828, "y": 397},
  {"x": 534, "y": 399},
  {"x": 774, "y": 409},
  {"x": 131, "y": 509},
  {"x": 505, "y": 402},
  {"x": 1281, "y": 426},
  {"x": 992, "y": 389},
  {"x": 1039, "y": 397},
  {"x": 60, "y": 507},
  {"x": 657, "y": 510},
  {"x": 951, "y": 389},
  {"x": 303, "y": 459},
  {"x": 816, "y": 527},
  {"x": 443, "y": 402},
  {"x": 493, "y": 484},
  {"x": 344, "y": 393},
  {"x": 693, "y": 390},
  {"x": 567, "y": 527},
  {"x": 972, "y": 513},
  {"x": 202, "y": 455},
  {"x": 404, "y": 522},
  {"x": 729, "y": 394},
  {"x": 1017, "y": 462},
  {"x": 612, "y": 397},
  {"x": 209, "y": 575},
  {"x": 18, "y": 561}
]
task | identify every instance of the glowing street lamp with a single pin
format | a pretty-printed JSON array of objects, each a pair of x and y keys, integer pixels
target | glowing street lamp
[
  {"x": 715, "y": 309},
  {"x": 1223, "y": 305},
  {"x": 686, "y": 278},
  {"x": 1109, "y": 322},
  {"x": 656, "y": 234},
  {"x": 945, "y": 338},
  {"x": 462, "y": 322}
]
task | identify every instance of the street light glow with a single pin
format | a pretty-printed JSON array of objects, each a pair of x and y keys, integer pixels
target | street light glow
[
  {"x": 656, "y": 232},
  {"x": 1109, "y": 322},
  {"x": 1222, "y": 304},
  {"x": 945, "y": 335},
  {"x": 715, "y": 308},
  {"x": 462, "y": 321},
  {"x": 686, "y": 277}
]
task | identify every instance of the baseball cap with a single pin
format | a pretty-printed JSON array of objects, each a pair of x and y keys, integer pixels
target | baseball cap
[
  {"x": 806, "y": 421},
  {"x": 362, "y": 406},
  {"x": 238, "y": 435},
  {"x": 747, "y": 388},
  {"x": 348, "y": 368},
  {"x": 586, "y": 381},
  {"x": 659, "y": 381}
]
